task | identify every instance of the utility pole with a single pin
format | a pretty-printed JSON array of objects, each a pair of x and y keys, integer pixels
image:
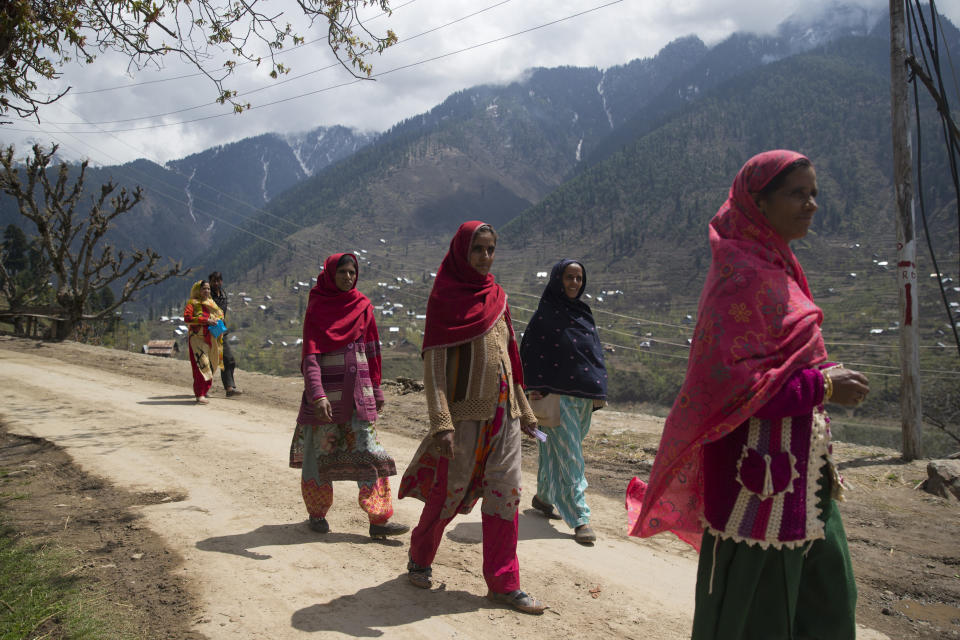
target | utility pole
[{"x": 910, "y": 408}]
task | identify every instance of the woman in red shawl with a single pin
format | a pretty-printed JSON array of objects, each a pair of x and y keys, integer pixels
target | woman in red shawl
[
  {"x": 473, "y": 381},
  {"x": 743, "y": 471},
  {"x": 335, "y": 438}
]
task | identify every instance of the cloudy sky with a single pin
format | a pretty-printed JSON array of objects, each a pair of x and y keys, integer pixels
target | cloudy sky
[{"x": 113, "y": 115}]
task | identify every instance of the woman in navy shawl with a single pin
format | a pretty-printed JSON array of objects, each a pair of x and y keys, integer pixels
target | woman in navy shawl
[{"x": 566, "y": 380}]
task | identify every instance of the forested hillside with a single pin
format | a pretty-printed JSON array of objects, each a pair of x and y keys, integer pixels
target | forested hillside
[{"x": 832, "y": 104}]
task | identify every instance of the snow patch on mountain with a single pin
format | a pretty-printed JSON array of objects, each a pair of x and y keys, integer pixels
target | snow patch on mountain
[
  {"x": 822, "y": 22},
  {"x": 263, "y": 183},
  {"x": 190, "y": 195},
  {"x": 603, "y": 99},
  {"x": 296, "y": 147}
]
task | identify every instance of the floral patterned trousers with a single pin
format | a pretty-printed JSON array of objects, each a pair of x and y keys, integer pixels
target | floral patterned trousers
[
  {"x": 348, "y": 451},
  {"x": 374, "y": 498}
]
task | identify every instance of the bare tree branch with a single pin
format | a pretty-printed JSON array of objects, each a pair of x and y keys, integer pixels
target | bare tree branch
[{"x": 939, "y": 424}]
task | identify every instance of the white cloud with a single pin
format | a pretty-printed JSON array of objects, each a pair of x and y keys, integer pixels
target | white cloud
[{"x": 606, "y": 37}]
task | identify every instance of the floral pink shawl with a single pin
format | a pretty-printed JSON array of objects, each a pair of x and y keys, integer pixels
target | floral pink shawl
[{"x": 757, "y": 324}]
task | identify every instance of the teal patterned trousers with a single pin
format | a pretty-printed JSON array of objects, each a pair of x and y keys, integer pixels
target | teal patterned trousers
[{"x": 560, "y": 476}]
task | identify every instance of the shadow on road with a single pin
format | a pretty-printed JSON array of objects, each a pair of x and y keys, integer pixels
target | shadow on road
[
  {"x": 871, "y": 460},
  {"x": 271, "y": 535},
  {"x": 169, "y": 400},
  {"x": 533, "y": 526},
  {"x": 391, "y": 604}
]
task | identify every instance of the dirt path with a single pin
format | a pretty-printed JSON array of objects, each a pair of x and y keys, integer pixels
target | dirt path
[{"x": 260, "y": 573}]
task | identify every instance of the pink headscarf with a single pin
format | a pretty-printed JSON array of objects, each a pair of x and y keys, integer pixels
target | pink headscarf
[{"x": 757, "y": 325}]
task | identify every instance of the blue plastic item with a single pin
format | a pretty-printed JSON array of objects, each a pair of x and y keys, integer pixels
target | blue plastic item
[{"x": 217, "y": 330}]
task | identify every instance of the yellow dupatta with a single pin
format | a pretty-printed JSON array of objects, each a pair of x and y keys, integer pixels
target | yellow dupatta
[{"x": 208, "y": 356}]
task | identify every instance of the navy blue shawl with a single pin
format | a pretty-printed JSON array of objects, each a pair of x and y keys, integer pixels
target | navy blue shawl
[{"x": 561, "y": 350}]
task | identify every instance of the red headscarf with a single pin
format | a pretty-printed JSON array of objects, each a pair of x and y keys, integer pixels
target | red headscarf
[
  {"x": 757, "y": 325},
  {"x": 463, "y": 304},
  {"x": 336, "y": 318}
]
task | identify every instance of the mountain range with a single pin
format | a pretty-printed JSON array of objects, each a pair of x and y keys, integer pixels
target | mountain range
[
  {"x": 192, "y": 202},
  {"x": 622, "y": 167}
]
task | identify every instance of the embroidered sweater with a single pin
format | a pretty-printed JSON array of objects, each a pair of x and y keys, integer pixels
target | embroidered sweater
[
  {"x": 463, "y": 382},
  {"x": 344, "y": 378},
  {"x": 760, "y": 481}
]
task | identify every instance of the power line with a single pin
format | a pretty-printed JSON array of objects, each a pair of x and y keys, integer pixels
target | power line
[
  {"x": 239, "y": 64},
  {"x": 519, "y": 308},
  {"x": 280, "y": 82},
  {"x": 254, "y": 209},
  {"x": 933, "y": 69},
  {"x": 873, "y": 346},
  {"x": 376, "y": 75},
  {"x": 180, "y": 201},
  {"x": 882, "y": 366},
  {"x": 298, "y": 227},
  {"x": 161, "y": 194},
  {"x": 634, "y": 318},
  {"x": 391, "y": 274},
  {"x": 618, "y": 315}
]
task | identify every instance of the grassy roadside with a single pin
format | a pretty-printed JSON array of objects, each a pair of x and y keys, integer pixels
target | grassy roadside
[
  {"x": 39, "y": 598},
  {"x": 76, "y": 562},
  {"x": 42, "y": 593}
]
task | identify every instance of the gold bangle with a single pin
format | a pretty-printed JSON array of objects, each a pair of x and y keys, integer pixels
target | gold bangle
[{"x": 827, "y": 382}]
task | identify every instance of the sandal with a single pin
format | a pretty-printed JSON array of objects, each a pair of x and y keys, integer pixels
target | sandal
[
  {"x": 518, "y": 600},
  {"x": 584, "y": 535},
  {"x": 545, "y": 508},
  {"x": 202, "y": 400},
  {"x": 418, "y": 576}
]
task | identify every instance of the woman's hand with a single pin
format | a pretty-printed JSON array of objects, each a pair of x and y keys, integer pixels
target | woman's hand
[
  {"x": 380, "y": 404},
  {"x": 850, "y": 387},
  {"x": 324, "y": 409},
  {"x": 535, "y": 395},
  {"x": 529, "y": 429},
  {"x": 444, "y": 443},
  {"x": 211, "y": 322}
]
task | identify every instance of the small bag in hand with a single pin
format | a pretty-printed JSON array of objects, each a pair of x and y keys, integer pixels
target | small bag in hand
[{"x": 217, "y": 330}]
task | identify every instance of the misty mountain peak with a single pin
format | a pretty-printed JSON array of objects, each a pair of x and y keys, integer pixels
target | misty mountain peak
[{"x": 820, "y": 23}]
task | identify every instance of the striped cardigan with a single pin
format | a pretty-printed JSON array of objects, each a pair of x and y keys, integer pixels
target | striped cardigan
[
  {"x": 463, "y": 382},
  {"x": 347, "y": 378}
]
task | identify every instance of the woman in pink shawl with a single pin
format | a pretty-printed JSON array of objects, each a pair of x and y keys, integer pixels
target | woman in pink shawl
[{"x": 743, "y": 472}]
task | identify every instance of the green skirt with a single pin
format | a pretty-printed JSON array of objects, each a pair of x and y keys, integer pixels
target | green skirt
[{"x": 778, "y": 594}]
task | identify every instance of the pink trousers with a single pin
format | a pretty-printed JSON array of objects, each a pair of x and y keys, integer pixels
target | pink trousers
[{"x": 501, "y": 568}]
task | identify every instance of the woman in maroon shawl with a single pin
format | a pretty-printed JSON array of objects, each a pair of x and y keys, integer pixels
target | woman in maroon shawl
[
  {"x": 335, "y": 438},
  {"x": 473, "y": 381},
  {"x": 743, "y": 472}
]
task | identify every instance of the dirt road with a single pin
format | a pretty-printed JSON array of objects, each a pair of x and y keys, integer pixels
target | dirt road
[{"x": 237, "y": 520}]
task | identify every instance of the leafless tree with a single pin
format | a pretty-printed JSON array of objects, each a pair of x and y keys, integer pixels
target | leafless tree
[{"x": 72, "y": 243}]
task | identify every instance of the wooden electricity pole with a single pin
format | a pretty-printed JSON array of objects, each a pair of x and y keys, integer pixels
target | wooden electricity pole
[{"x": 910, "y": 408}]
